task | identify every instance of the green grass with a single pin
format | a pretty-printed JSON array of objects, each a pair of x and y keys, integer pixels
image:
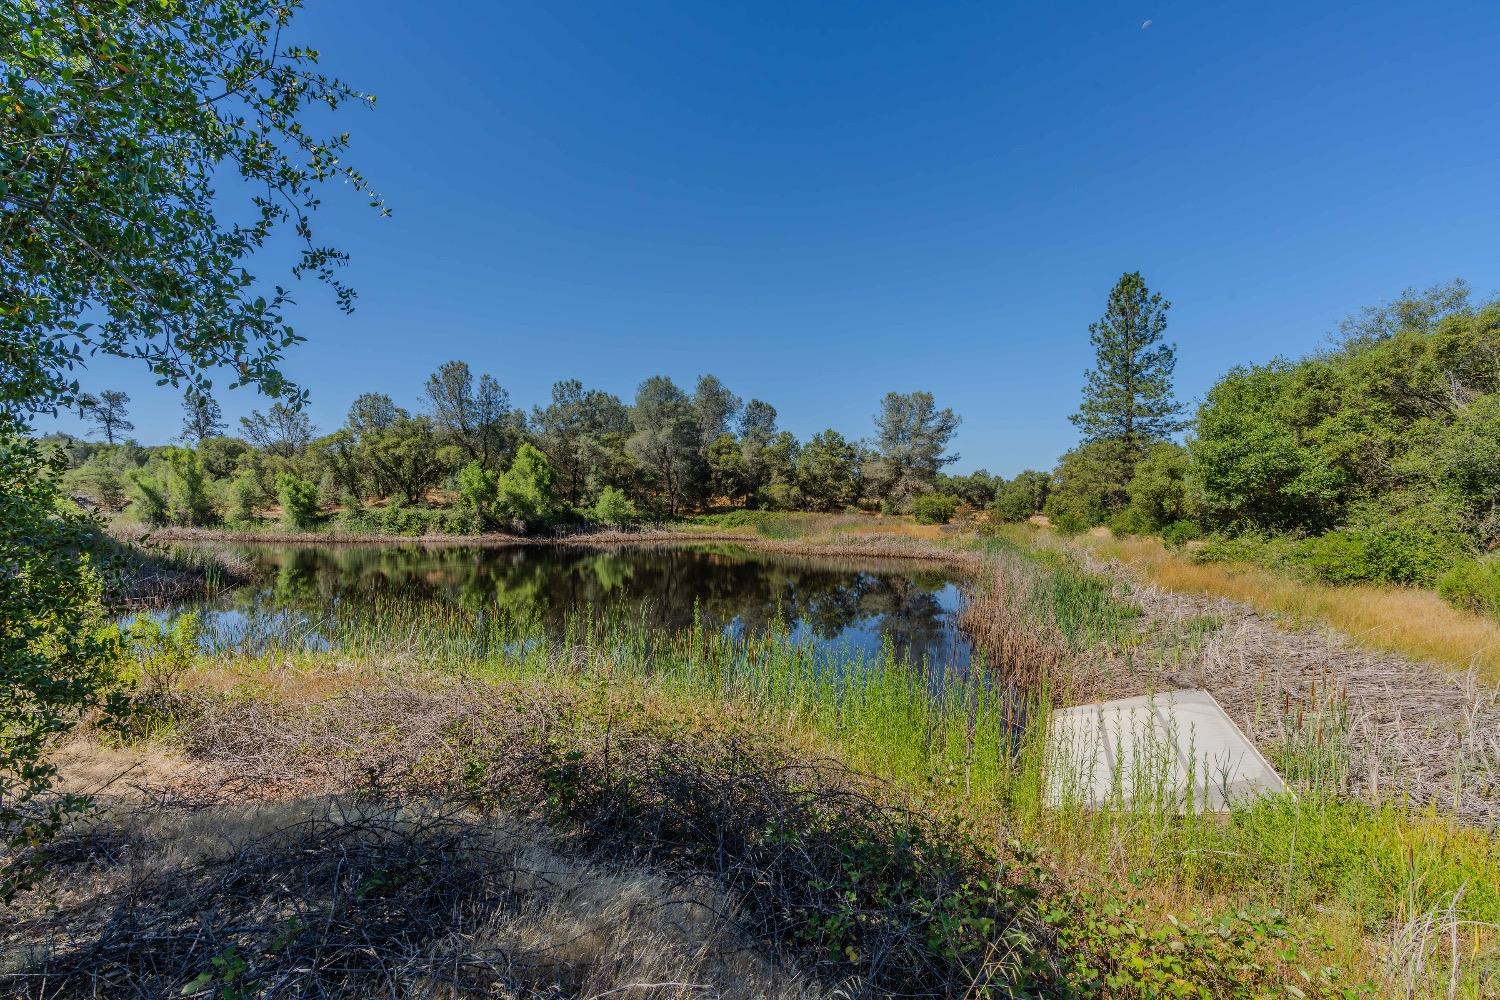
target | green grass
[{"x": 963, "y": 743}]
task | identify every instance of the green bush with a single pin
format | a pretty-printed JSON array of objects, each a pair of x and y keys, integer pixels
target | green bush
[
  {"x": 55, "y": 663},
  {"x": 244, "y": 498},
  {"x": 524, "y": 493},
  {"x": 1391, "y": 547},
  {"x": 1178, "y": 532},
  {"x": 476, "y": 494},
  {"x": 1474, "y": 585},
  {"x": 614, "y": 508},
  {"x": 934, "y": 508},
  {"x": 150, "y": 500},
  {"x": 299, "y": 500}
]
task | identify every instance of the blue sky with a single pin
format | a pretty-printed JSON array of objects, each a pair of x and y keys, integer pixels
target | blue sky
[{"x": 821, "y": 202}]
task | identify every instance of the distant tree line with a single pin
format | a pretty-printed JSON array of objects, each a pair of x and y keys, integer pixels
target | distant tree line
[{"x": 469, "y": 460}]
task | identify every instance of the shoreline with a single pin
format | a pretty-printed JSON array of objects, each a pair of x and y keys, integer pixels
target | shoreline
[{"x": 854, "y": 546}]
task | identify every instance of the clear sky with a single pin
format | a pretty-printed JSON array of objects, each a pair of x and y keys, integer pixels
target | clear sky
[{"x": 824, "y": 201}]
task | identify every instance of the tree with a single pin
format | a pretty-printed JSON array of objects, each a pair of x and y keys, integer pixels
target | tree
[
  {"x": 474, "y": 415},
  {"x": 1412, "y": 311},
  {"x": 1081, "y": 490},
  {"x": 828, "y": 471},
  {"x": 108, "y": 412},
  {"x": 1159, "y": 490},
  {"x": 120, "y": 125},
  {"x": 221, "y": 455},
  {"x": 191, "y": 503},
  {"x": 54, "y": 662},
  {"x": 583, "y": 434},
  {"x": 665, "y": 442},
  {"x": 121, "y": 122},
  {"x": 281, "y": 430},
  {"x": 779, "y": 488},
  {"x": 372, "y": 411},
  {"x": 1021, "y": 497},
  {"x": 201, "y": 417},
  {"x": 524, "y": 493},
  {"x": 404, "y": 457},
  {"x": 727, "y": 474},
  {"x": 715, "y": 406},
  {"x": 911, "y": 436},
  {"x": 1127, "y": 396},
  {"x": 757, "y": 427}
]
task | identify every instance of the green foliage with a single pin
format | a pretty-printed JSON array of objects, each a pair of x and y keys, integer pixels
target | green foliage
[
  {"x": 55, "y": 662},
  {"x": 912, "y": 438},
  {"x": 1255, "y": 461},
  {"x": 221, "y": 456},
  {"x": 1083, "y": 486},
  {"x": 1127, "y": 399},
  {"x": 476, "y": 493},
  {"x": 1474, "y": 585},
  {"x": 1021, "y": 497},
  {"x": 192, "y": 502},
  {"x": 245, "y": 498},
  {"x": 1381, "y": 545},
  {"x": 396, "y": 518},
  {"x": 299, "y": 501},
  {"x": 1158, "y": 490},
  {"x": 151, "y": 501},
  {"x": 614, "y": 508},
  {"x": 934, "y": 508},
  {"x": 666, "y": 443},
  {"x": 828, "y": 472},
  {"x": 116, "y": 236},
  {"x": 728, "y": 472},
  {"x": 524, "y": 493}
]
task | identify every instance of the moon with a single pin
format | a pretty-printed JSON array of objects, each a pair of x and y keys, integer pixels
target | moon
[{"x": 1145, "y": 24}]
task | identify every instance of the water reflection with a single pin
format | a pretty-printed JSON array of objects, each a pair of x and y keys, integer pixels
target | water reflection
[{"x": 849, "y": 603}]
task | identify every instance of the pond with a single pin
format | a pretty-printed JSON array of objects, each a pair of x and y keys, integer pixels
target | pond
[{"x": 308, "y": 597}]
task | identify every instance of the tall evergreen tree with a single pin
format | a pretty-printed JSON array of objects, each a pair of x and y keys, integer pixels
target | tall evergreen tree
[
  {"x": 201, "y": 417},
  {"x": 108, "y": 412},
  {"x": 1127, "y": 399}
]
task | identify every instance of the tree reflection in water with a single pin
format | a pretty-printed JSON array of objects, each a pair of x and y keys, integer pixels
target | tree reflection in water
[{"x": 854, "y": 603}]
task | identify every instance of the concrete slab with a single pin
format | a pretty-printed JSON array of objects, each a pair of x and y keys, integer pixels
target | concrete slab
[{"x": 1177, "y": 750}]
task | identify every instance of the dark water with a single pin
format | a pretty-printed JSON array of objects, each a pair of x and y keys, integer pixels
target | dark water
[{"x": 855, "y": 605}]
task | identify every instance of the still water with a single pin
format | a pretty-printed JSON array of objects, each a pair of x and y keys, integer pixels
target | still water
[{"x": 837, "y": 605}]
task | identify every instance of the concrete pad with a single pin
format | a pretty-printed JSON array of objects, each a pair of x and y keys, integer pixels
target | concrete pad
[{"x": 1177, "y": 750}]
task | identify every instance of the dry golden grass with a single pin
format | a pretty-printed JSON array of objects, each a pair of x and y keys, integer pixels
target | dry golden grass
[{"x": 1401, "y": 619}]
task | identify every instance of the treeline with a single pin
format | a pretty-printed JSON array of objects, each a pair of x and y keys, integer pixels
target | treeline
[
  {"x": 1376, "y": 459},
  {"x": 469, "y": 460}
]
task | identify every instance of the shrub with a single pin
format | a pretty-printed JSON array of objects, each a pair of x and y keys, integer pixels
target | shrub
[
  {"x": 934, "y": 508},
  {"x": 1178, "y": 532},
  {"x": 476, "y": 494},
  {"x": 150, "y": 500},
  {"x": 1474, "y": 585},
  {"x": 614, "y": 508},
  {"x": 299, "y": 500},
  {"x": 191, "y": 502},
  {"x": 1408, "y": 547},
  {"x": 524, "y": 493},
  {"x": 54, "y": 663},
  {"x": 244, "y": 498}
]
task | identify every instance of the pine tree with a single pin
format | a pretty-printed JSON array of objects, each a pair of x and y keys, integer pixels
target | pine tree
[
  {"x": 201, "y": 417},
  {"x": 108, "y": 412},
  {"x": 1128, "y": 401}
]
